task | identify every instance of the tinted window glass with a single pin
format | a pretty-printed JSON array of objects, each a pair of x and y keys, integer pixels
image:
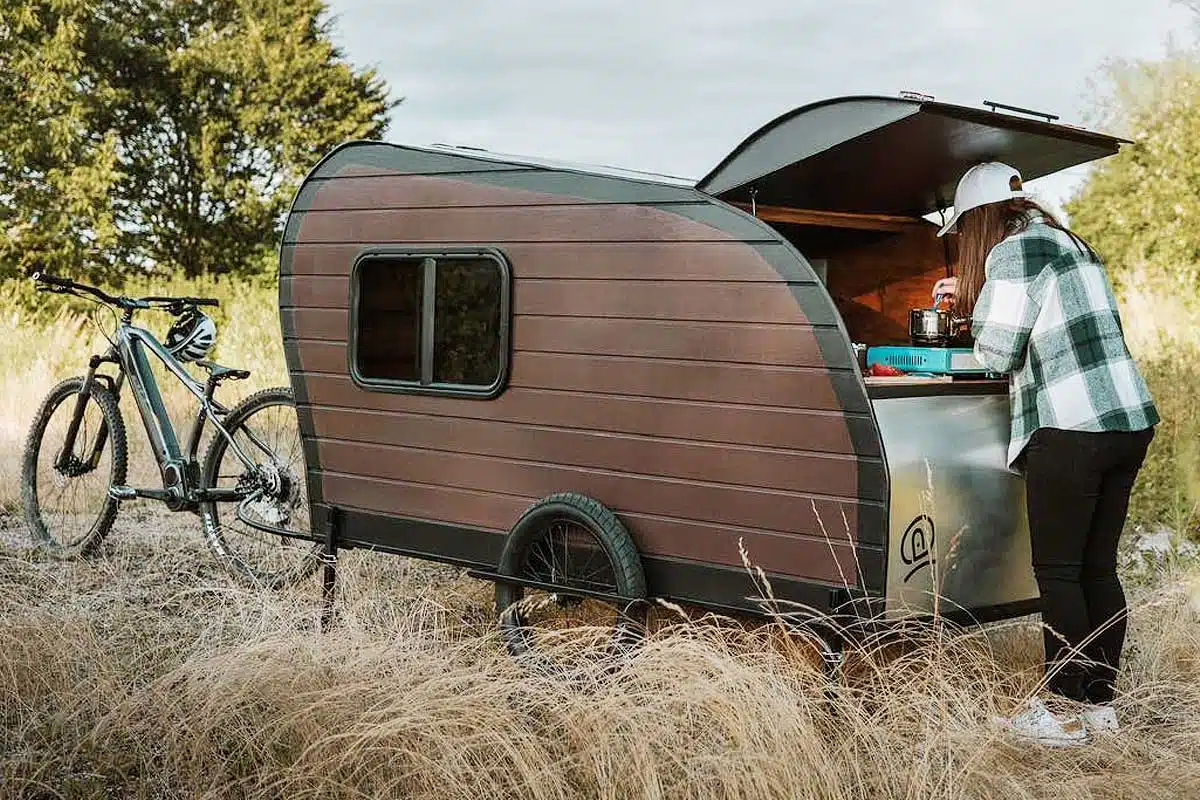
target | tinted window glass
[
  {"x": 466, "y": 342},
  {"x": 389, "y": 319}
]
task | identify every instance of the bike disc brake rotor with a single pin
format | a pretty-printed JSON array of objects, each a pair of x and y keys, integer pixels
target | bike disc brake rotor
[{"x": 279, "y": 495}]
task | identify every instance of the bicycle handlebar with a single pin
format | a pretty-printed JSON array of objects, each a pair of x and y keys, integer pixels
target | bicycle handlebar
[
  {"x": 57, "y": 284},
  {"x": 193, "y": 301},
  {"x": 40, "y": 277},
  {"x": 175, "y": 305}
]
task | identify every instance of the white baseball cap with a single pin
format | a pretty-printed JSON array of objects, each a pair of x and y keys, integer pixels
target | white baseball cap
[{"x": 989, "y": 182}]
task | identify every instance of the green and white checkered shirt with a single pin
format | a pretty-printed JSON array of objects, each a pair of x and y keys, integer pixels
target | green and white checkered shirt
[{"x": 1047, "y": 316}]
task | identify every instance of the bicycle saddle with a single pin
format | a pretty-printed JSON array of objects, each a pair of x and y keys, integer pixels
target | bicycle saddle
[{"x": 221, "y": 373}]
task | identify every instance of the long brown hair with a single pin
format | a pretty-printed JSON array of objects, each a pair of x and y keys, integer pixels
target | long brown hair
[{"x": 982, "y": 228}]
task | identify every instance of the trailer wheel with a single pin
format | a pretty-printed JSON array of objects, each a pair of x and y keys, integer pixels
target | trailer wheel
[{"x": 570, "y": 541}]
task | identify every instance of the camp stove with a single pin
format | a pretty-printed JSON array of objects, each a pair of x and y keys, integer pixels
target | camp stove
[{"x": 928, "y": 360}]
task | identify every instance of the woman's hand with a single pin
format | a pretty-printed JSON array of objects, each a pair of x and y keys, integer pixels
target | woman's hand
[{"x": 946, "y": 286}]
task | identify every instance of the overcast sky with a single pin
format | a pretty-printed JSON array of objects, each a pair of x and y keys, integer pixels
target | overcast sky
[{"x": 673, "y": 85}]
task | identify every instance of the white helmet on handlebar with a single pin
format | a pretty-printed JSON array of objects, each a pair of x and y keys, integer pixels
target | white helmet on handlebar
[{"x": 192, "y": 336}]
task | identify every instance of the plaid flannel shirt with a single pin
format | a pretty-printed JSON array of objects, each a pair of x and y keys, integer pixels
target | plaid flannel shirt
[{"x": 1046, "y": 315}]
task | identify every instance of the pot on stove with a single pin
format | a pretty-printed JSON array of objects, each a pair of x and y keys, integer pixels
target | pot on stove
[{"x": 934, "y": 327}]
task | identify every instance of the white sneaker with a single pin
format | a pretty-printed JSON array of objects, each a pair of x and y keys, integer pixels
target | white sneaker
[
  {"x": 1100, "y": 718},
  {"x": 1038, "y": 723}
]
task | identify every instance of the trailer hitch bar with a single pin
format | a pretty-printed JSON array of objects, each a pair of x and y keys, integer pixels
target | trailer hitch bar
[
  {"x": 271, "y": 529},
  {"x": 570, "y": 591}
]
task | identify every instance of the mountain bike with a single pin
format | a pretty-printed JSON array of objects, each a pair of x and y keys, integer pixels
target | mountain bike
[{"x": 76, "y": 454}]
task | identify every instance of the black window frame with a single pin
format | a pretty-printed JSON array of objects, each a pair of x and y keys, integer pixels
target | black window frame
[{"x": 425, "y": 385}]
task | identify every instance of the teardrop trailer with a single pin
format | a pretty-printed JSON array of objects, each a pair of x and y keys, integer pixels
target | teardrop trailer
[{"x": 603, "y": 383}]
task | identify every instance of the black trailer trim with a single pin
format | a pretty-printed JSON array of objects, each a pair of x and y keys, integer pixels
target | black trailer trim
[
  {"x": 728, "y": 590},
  {"x": 725, "y": 589},
  {"x": 457, "y": 545},
  {"x": 732, "y": 590}
]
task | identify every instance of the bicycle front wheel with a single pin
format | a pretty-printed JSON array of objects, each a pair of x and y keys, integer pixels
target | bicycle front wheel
[
  {"x": 67, "y": 505},
  {"x": 266, "y": 430}
]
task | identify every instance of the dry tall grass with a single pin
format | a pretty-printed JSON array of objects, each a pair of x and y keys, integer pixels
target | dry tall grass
[{"x": 146, "y": 673}]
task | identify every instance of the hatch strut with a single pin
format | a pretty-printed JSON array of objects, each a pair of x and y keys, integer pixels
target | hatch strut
[
  {"x": 994, "y": 106},
  {"x": 941, "y": 204}
]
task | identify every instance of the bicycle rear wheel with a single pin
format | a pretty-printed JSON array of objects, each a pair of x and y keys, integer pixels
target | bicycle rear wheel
[
  {"x": 68, "y": 509},
  {"x": 253, "y": 555}
]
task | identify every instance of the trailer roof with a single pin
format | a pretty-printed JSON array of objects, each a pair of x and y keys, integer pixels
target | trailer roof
[
  {"x": 860, "y": 153},
  {"x": 560, "y": 165}
]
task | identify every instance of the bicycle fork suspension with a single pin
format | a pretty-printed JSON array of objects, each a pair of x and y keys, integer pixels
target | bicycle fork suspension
[{"x": 65, "y": 457}]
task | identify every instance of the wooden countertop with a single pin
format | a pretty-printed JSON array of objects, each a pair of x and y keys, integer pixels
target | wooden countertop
[{"x": 882, "y": 388}]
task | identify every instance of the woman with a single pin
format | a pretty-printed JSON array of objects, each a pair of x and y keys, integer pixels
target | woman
[{"x": 1043, "y": 312}]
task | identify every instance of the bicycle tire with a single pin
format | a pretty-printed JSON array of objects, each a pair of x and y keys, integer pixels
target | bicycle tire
[
  {"x": 110, "y": 411},
  {"x": 214, "y": 532}
]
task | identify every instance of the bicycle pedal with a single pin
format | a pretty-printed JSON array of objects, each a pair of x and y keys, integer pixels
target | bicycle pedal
[{"x": 122, "y": 492}]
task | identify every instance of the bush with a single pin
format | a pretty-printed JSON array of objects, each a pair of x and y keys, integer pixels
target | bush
[{"x": 1163, "y": 329}]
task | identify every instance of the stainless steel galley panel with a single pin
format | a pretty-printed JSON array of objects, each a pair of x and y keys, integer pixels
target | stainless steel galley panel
[{"x": 957, "y": 533}]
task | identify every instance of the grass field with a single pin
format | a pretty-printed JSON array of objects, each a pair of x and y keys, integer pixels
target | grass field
[{"x": 145, "y": 672}]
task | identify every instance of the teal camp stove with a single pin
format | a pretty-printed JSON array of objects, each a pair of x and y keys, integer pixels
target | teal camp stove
[{"x": 928, "y": 360}]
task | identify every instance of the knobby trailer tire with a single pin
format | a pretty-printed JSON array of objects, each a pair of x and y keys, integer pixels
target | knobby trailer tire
[{"x": 607, "y": 531}]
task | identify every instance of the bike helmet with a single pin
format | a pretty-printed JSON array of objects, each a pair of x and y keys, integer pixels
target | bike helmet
[{"x": 192, "y": 336}]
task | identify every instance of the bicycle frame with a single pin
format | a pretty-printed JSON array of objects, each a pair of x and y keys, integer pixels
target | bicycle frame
[{"x": 180, "y": 474}]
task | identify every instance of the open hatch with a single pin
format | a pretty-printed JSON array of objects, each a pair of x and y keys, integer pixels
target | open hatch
[{"x": 849, "y": 180}]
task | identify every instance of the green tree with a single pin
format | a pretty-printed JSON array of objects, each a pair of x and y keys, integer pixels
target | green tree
[
  {"x": 189, "y": 126},
  {"x": 57, "y": 162},
  {"x": 1141, "y": 208}
]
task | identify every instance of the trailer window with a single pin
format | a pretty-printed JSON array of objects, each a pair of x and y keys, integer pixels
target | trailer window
[{"x": 435, "y": 323}]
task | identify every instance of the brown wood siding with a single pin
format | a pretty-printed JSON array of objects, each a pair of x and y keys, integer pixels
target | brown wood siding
[
  {"x": 824, "y": 559},
  {"x": 768, "y": 344},
  {"x": 633, "y": 365},
  {"x": 762, "y": 426},
  {"x": 507, "y": 224},
  {"x": 693, "y": 301},
  {"x": 771, "y": 468},
  {"x": 373, "y": 192},
  {"x": 597, "y": 261},
  {"x": 706, "y": 381},
  {"x": 738, "y": 505}
]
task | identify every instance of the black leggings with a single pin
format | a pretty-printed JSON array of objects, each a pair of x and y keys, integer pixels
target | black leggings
[{"x": 1077, "y": 488}]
